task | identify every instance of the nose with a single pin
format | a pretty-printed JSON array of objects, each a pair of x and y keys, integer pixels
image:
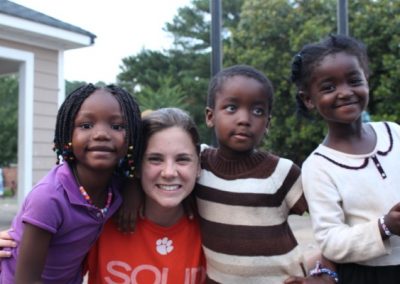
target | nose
[
  {"x": 169, "y": 170},
  {"x": 243, "y": 117},
  {"x": 100, "y": 132},
  {"x": 344, "y": 91}
]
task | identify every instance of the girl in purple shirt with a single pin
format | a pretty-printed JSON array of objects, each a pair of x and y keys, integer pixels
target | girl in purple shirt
[{"x": 98, "y": 138}]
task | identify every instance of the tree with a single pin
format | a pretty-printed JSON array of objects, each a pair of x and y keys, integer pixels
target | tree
[
  {"x": 186, "y": 66},
  {"x": 271, "y": 32},
  {"x": 72, "y": 85},
  {"x": 380, "y": 30},
  {"x": 267, "y": 34},
  {"x": 8, "y": 119}
]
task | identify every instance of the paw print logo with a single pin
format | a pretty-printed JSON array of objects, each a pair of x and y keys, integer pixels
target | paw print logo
[{"x": 164, "y": 246}]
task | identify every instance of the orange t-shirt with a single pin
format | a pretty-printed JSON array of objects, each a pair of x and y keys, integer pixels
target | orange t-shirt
[{"x": 152, "y": 254}]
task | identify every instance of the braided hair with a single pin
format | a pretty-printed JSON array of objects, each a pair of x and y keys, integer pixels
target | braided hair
[
  {"x": 217, "y": 82},
  {"x": 130, "y": 111},
  {"x": 304, "y": 62}
]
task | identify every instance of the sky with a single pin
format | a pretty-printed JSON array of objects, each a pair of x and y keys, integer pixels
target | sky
[{"x": 123, "y": 28}]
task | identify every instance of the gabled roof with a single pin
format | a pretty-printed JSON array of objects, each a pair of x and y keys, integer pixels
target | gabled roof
[{"x": 23, "y": 15}]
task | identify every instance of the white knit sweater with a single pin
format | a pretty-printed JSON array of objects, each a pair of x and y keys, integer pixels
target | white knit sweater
[{"x": 347, "y": 194}]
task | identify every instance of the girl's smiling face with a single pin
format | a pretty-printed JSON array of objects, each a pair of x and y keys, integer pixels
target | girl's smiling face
[
  {"x": 338, "y": 89},
  {"x": 170, "y": 167},
  {"x": 99, "y": 134}
]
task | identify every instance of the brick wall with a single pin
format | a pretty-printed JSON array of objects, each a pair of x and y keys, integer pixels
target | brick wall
[{"x": 10, "y": 177}]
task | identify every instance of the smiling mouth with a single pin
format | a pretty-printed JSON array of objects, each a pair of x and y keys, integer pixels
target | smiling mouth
[
  {"x": 100, "y": 149},
  {"x": 169, "y": 187},
  {"x": 346, "y": 104}
]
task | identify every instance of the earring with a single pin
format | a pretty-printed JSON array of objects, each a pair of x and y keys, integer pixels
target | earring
[
  {"x": 58, "y": 153},
  {"x": 66, "y": 153},
  {"x": 126, "y": 165}
]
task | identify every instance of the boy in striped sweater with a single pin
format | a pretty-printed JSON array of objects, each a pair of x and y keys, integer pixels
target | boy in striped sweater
[{"x": 245, "y": 195}]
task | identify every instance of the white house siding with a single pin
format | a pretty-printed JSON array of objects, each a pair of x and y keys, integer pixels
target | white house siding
[{"x": 44, "y": 104}]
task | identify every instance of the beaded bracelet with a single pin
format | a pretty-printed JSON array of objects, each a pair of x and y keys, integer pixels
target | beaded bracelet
[
  {"x": 384, "y": 227},
  {"x": 318, "y": 270}
]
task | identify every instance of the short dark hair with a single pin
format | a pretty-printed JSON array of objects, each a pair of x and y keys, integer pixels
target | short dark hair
[{"x": 217, "y": 82}]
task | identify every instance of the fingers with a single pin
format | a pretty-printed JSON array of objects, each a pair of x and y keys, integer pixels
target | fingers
[
  {"x": 4, "y": 235},
  {"x": 396, "y": 207},
  {"x": 392, "y": 219},
  {"x": 6, "y": 242},
  {"x": 294, "y": 280},
  {"x": 4, "y": 254}
]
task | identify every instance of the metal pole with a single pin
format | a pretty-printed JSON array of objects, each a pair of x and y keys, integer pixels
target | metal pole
[
  {"x": 216, "y": 43},
  {"x": 342, "y": 17}
]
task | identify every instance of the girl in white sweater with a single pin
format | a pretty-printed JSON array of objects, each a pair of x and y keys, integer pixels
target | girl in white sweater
[{"x": 351, "y": 180}]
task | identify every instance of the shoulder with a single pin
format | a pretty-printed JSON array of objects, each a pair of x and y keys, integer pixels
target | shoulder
[
  {"x": 284, "y": 164},
  {"x": 49, "y": 195},
  {"x": 314, "y": 161},
  {"x": 50, "y": 186},
  {"x": 206, "y": 150}
]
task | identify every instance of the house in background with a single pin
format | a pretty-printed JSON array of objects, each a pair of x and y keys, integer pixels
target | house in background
[{"x": 32, "y": 46}]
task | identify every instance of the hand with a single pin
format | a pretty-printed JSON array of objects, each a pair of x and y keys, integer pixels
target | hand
[
  {"x": 6, "y": 242},
  {"x": 392, "y": 220},
  {"x": 320, "y": 279},
  {"x": 132, "y": 201}
]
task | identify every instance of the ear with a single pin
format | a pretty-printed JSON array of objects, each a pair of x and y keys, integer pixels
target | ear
[
  {"x": 306, "y": 98},
  {"x": 209, "y": 117}
]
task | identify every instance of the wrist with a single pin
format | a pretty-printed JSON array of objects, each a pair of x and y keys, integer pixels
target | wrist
[
  {"x": 318, "y": 270},
  {"x": 387, "y": 233}
]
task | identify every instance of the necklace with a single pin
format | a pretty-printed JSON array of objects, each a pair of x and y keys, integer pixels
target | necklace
[{"x": 89, "y": 200}]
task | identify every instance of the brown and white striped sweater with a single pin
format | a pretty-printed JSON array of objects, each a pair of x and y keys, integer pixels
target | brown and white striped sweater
[{"x": 244, "y": 206}]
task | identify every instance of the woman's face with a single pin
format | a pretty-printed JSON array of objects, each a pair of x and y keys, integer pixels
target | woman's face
[{"x": 170, "y": 168}]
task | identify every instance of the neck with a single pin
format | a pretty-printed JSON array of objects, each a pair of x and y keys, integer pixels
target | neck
[
  {"x": 357, "y": 138},
  {"x": 94, "y": 183},
  {"x": 345, "y": 131},
  {"x": 234, "y": 155},
  {"x": 162, "y": 216}
]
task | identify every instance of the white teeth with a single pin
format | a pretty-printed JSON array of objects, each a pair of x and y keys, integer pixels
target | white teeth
[{"x": 168, "y": 187}]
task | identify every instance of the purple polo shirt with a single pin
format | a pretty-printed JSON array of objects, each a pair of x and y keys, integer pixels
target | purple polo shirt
[{"x": 56, "y": 205}]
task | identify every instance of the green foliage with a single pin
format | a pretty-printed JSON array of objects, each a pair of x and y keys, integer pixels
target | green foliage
[
  {"x": 267, "y": 34},
  {"x": 167, "y": 95},
  {"x": 8, "y": 119},
  {"x": 271, "y": 32},
  {"x": 185, "y": 68},
  {"x": 381, "y": 32},
  {"x": 72, "y": 85}
]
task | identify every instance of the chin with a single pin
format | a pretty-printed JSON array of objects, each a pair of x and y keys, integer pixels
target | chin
[{"x": 171, "y": 205}]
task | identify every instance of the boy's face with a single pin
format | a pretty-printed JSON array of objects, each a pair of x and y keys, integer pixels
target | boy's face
[{"x": 240, "y": 116}]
